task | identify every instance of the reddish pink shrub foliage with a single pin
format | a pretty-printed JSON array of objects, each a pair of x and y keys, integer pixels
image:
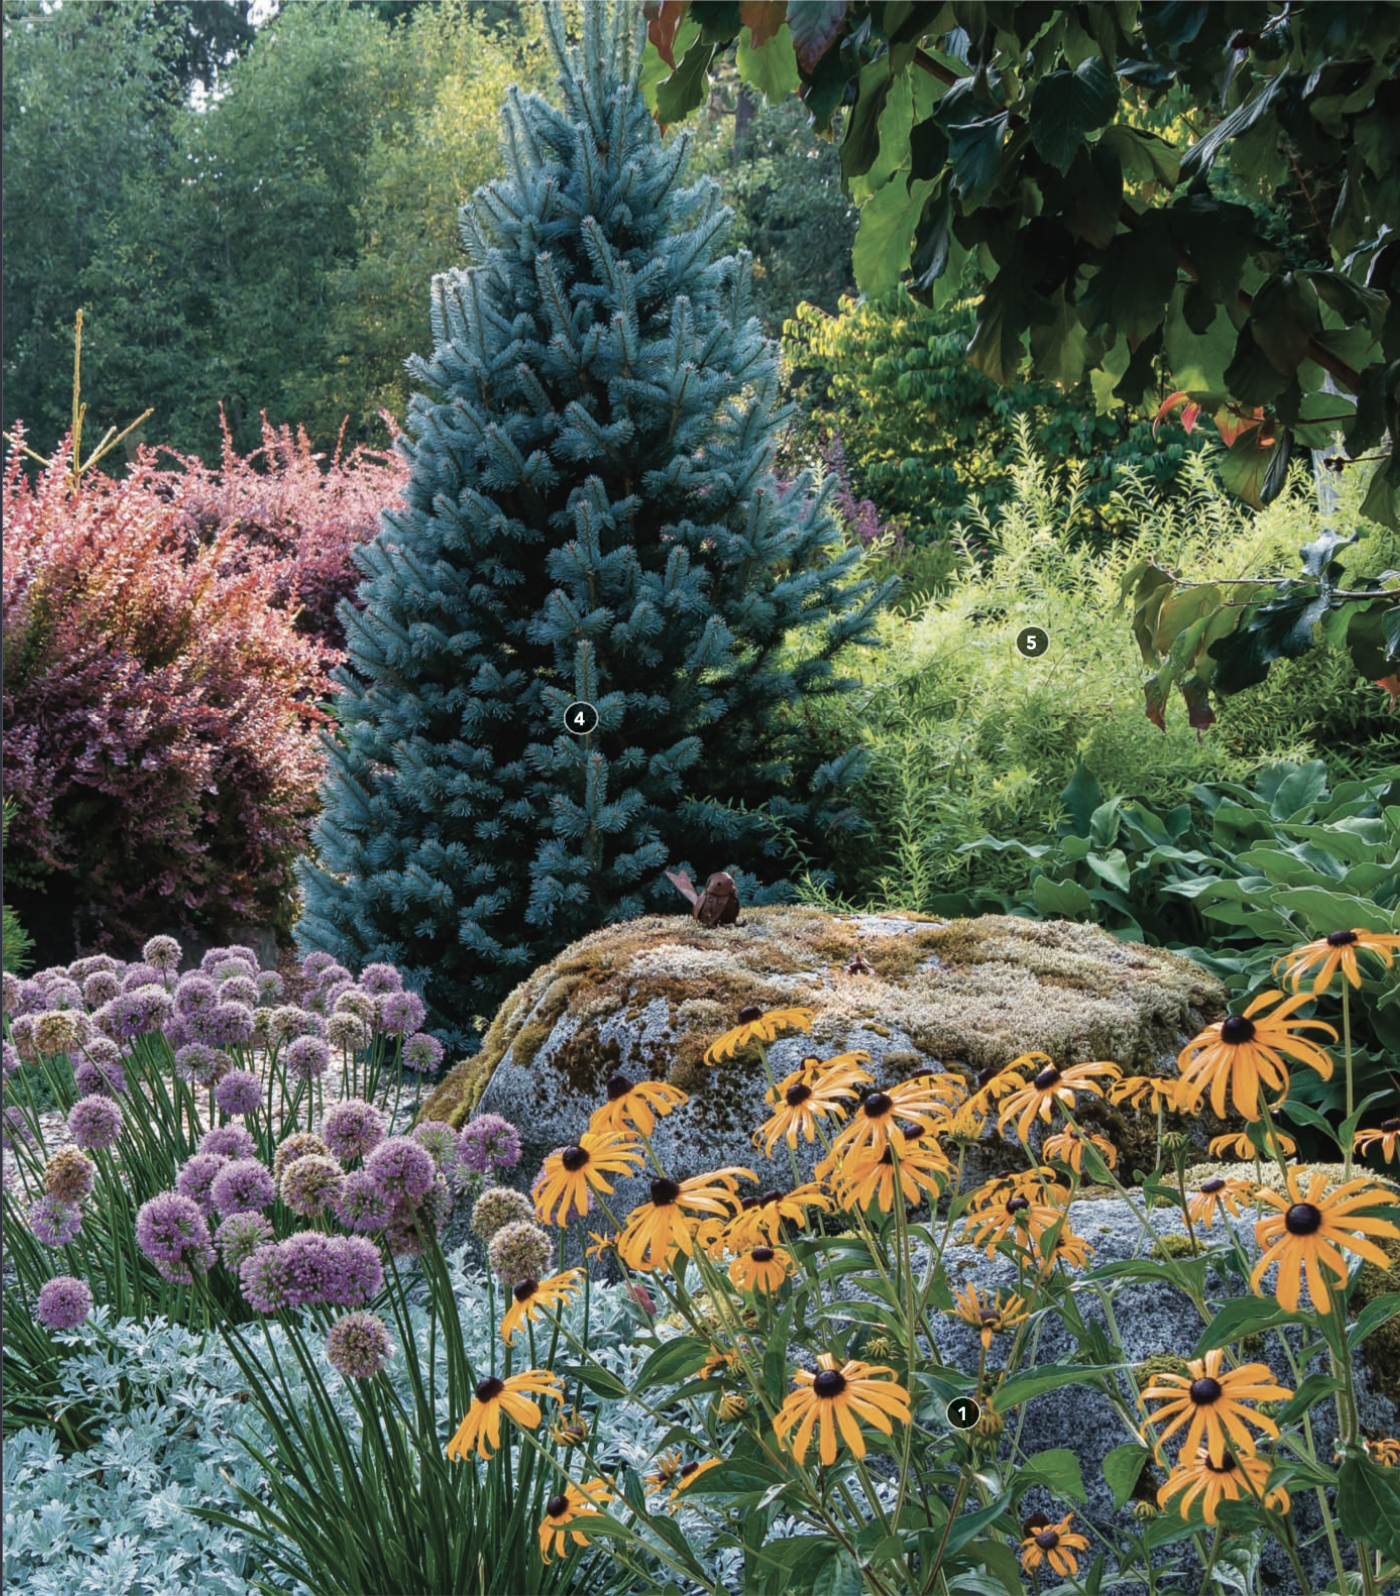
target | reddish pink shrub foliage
[{"x": 160, "y": 733}]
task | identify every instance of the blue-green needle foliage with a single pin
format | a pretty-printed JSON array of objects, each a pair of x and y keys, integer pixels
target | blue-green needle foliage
[{"x": 591, "y": 516}]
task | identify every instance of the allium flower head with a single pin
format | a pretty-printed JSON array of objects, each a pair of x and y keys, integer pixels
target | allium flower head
[
  {"x": 499, "y": 1206},
  {"x": 242, "y": 1185},
  {"x": 230, "y": 1025},
  {"x": 133, "y": 1014},
  {"x": 308, "y": 1057},
  {"x": 239, "y": 989},
  {"x": 332, "y": 985},
  {"x": 99, "y": 988},
  {"x": 358, "y": 1273},
  {"x": 64, "y": 1302},
  {"x": 308, "y": 1185},
  {"x": 440, "y": 1140},
  {"x": 269, "y": 986},
  {"x": 140, "y": 975},
  {"x": 401, "y": 1169},
  {"x": 195, "y": 994},
  {"x": 240, "y": 1235},
  {"x": 401, "y": 1013},
  {"x": 379, "y": 978},
  {"x": 59, "y": 1031},
  {"x": 354, "y": 1000},
  {"x": 308, "y": 1259},
  {"x": 230, "y": 969},
  {"x": 412, "y": 1225},
  {"x": 54, "y": 1221},
  {"x": 100, "y": 1075},
  {"x": 360, "y": 1205},
  {"x": 240, "y": 1092},
  {"x": 313, "y": 964},
  {"x": 352, "y": 1128},
  {"x": 234, "y": 1141},
  {"x": 520, "y": 1251},
  {"x": 197, "y": 1176},
  {"x": 348, "y": 1032},
  {"x": 162, "y": 953},
  {"x": 358, "y": 1345},
  {"x": 169, "y": 1225},
  {"x": 69, "y": 1174},
  {"x": 422, "y": 1053},
  {"x": 202, "y": 1064},
  {"x": 487, "y": 1143},
  {"x": 12, "y": 1059},
  {"x": 262, "y": 1275},
  {"x": 22, "y": 1038},
  {"x": 63, "y": 993},
  {"x": 302, "y": 1144},
  {"x": 9, "y": 1002}
]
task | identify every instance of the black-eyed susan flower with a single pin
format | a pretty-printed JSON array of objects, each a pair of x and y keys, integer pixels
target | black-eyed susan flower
[
  {"x": 1240, "y": 1146},
  {"x": 481, "y": 1428},
  {"x": 718, "y": 1363},
  {"x": 1056, "y": 1544},
  {"x": 874, "y": 1125},
  {"x": 1241, "y": 1054},
  {"x": 756, "y": 1026},
  {"x": 1152, "y": 1091},
  {"x": 1217, "y": 1193},
  {"x": 835, "y": 1398},
  {"x": 799, "y": 1100},
  {"x": 570, "y": 1176},
  {"x": 663, "y": 1476},
  {"x": 688, "y": 1473},
  {"x": 1336, "y": 951},
  {"x": 732, "y": 1407},
  {"x": 989, "y": 1316},
  {"x": 1386, "y": 1136},
  {"x": 530, "y": 1298},
  {"x": 1212, "y": 1402},
  {"x": 1052, "y": 1085},
  {"x": 761, "y": 1268},
  {"x": 600, "y": 1243},
  {"x": 566, "y": 1516},
  {"x": 997, "y": 1188},
  {"x": 1068, "y": 1252},
  {"x": 635, "y": 1106},
  {"x": 924, "y": 1170},
  {"x": 761, "y": 1219},
  {"x": 569, "y": 1429},
  {"x": 655, "y": 1229},
  {"x": 997, "y": 1080},
  {"x": 1023, "y": 1215},
  {"x": 965, "y": 1123},
  {"x": 1230, "y": 1479},
  {"x": 1311, "y": 1230},
  {"x": 1386, "y": 1452},
  {"x": 1068, "y": 1148}
]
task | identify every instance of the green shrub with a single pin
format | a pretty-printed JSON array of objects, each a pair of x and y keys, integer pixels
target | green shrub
[{"x": 18, "y": 944}]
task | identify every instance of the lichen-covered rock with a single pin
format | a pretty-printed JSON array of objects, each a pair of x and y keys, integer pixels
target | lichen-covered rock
[{"x": 647, "y": 998}]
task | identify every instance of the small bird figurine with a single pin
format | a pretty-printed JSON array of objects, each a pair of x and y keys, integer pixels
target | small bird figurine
[{"x": 718, "y": 904}]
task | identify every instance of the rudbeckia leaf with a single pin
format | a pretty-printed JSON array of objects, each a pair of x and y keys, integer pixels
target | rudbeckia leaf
[
  {"x": 1368, "y": 1504},
  {"x": 1243, "y": 1316},
  {"x": 1122, "y": 1469},
  {"x": 1380, "y": 1310},
  {"x": 1057, "y": 1469},
  {"x": 671, "y": 1363}
]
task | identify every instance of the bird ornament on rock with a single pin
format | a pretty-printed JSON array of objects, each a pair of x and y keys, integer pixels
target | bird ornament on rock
[{"x": 718, "y": 904}]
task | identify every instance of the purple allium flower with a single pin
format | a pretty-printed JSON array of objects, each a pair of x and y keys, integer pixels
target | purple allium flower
[
  {"x": 169, "y": 1225},
  {"x": 162, "y": 953},
  {"x": 12, "y": 1059},
  {"x": 230, "y": 1025},
  {"x": 233, "y": 1141},
  {"x": 401, "y": 1013},
  {"x": 359, "y": 1204},
  {"x": 242, "y": 1185},
  {"x": 301, "y": 1144},
  {"x": 331, "y": 991},
  {"x": 263, "y": 1278},
  {"x": 499, "y": 1206},
  {"x": 240, "y": 1235},
  {"x": 99, "y": 1077},
  {"x": 287, "y": 1022},
  {"x": 309, "y": 1184},
  {"x": 379, "y": 978},
  {"x": 310, "y": 1268},
  {"x": 348, "y": 1032},
  {"x": 353, "y": 1127},
  {"x": 99, "y": 988},
  {"x": 401, "y": 1169},
  {"x": 358, "y": 1346},
  {"x": 308, "y": 1057},
  {"x": 314, "y": 963},
  {"x": 240, "y": 1092},
  {"x": 69, "y": 1174},
  {"x": 140, "y": 975},
  {"x": 363, "y": 1005},
  {"x": 95, "y": 1122},
  {"x": 195, "y": 994},
  {"x": 239, "y": 989},
  {"x": 54, "y": 1221},
  {"x": 440, "y": 1140},
  {"x": 231, "y": 970},
  {"x": 200, "y": 1063},
  {"x": 269, "y": 986},
  {"x": 199, "y": 1258},
  {"x": 60, "y": 1031},
  {"x": 63, "y": 993},
  {"x": 32, "y": 998},
  {"x": 9, "y": 992},
  {"x": 80, "y": 969},
  {"x": 331, "y": 975},
  {"x": 422, "y": 1053},
  {"x": 197, "y": 1175},
  {"x": 358, "y": 1273},
  {"x": 64, "y": 1302},
  {"x": 488, "y": 1143},
  {"x": 134, "y": 1014},
  {"x": 520, "y": 1251},
  {"x": 22, "y": 1038}
]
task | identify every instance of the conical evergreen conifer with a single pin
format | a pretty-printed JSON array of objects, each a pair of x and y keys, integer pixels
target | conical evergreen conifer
[{"x": 591, "y": 518}]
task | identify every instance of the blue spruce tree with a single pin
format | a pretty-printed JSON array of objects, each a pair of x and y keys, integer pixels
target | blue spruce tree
[{"x": 591, "y": 518}]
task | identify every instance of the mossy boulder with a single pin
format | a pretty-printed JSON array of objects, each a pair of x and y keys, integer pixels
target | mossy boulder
[{"x": 647, "y": 998}]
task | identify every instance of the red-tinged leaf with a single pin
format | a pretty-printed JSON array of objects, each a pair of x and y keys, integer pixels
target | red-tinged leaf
[
  {"x": 815, "y": 26},
  {"x": 1391, "y": 684},
  {"x": 1156, "y": 704},
  {"x": 1198, "y": 711},
  {"x": 1189, "y": 417},
  {"x": 1167, "y": 406},
  {"x": 762, "y": 18},
  {"x": 665, "y": 18},
  {"x": 1230, "y": 424}
]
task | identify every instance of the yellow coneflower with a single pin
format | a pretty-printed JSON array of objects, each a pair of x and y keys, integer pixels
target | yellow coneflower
[
  {"x": 603, "y": 1242},
  {"x": 1241, "y": 1054},
  {"x": 756, "y": 1026},
  {"x": 761, "y": 1269},
  {"x": 732, "y": 1407},
  {"x": 1069, "y": 1251},
  {"x": 481, "y": 1428},
  {"x": 1231, "y": 1479},
  {"x": 1028, "y": 1216},
  {"x": 688, "y": 1473},
  {"x": 1157, "y": 1091},
  {"x": 1386, "y": 1452},
  {"x": 1010, "y": 1183},
  {"x": 718, "y": 1362},
  {"x": 836, "y": 1397},
  {"x": 924, "y": 1170},
  {"x": 761, "y": 1218},
  {"x": 1211, "y": 1400},
  {"x": 964, "y": 1124},
  {"x": 989, "y": 1316},
  {"x": 1337, "y": 950},
  {"x": 1217, "y": 1192},
  {"x": 657, "y": 1228},
  {"x": 530, "y": 1298},
  {"x": 662, "y": 1477},
  {"x": 1386, "y": 1136},
  {"x": 1310, "y": 1231},
  {"x": 874, "y": 1126},
  {"x": 569, "y": 1429},
  {"x": 800, "y": 1100},
  {"x": 635, "y": 1107},
  {"x": 1068, "y": 1147},
  {"x": 568, "y": 1177},
  {"x": 1240, "y": 1145},
  {"x": 1053, "y": 1085},
  {"x": 1056, "y": 1544},
  {"x": 997, "y": 1080},
  {"x": 566, "y": 1516}
]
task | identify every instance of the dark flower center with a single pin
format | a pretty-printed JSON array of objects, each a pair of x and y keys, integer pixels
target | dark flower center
[
  {"x": 987, "y": 1076},
  {"x": 878, "y": 1104},
  {"x": 687, "y": 1469},
  {"x": 1018, "y": 1205},
  {"x": 750, "y": 1202},
  {"x": 1390, "y": 1125},
  {"x": 1047, "y": 1540},
  {"x": 988, "y": 1315},
  {"x": 797, "y": 1094},
  {"x": 762, "y": 1255},
  {"x": 557, "y": 1506},
  {"x": 1215, "y": 1183},
  {"x": 525, "y": 1290},
  {"x": 1303, "y": 1220},
  {"x": 618, "y": 1086},
  {"x": 1226, "y": 1465},
  {"x": 573, "y": 1159},
  {"x": 1205, "y": 1391},
  {"x": 829, "y": 1384},
  {"x": 748, "y": 1015},
  {"x": 774, "y": 1196},
  {"x": 811, "y": 1062},
  {"x": 1047, "y": 1078},
  {"x": 1037, "y": 1521},
  {"x": 1340, "y": 939},
  {"x": 1237, "y": 1030},
  {"x": 490, "y": 1389},
  {"x": 664, "y": 1192}
]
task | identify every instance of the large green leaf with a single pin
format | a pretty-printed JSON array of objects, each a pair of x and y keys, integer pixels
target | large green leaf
[
  {"x": 815, "y": 26},
  {"x": 1060, "y": 346},
  {"x": 1057, "y": 1470},
  {"x": 975, "y": 149},
  {"x": 1065, "y": 899},
  {"x": 686, "y": 87},
  {"x": 1122, "y": 1469},
  {"x": 1002, "y": 319},
  {"x": 1327, "y": 911},
  {"x": 1067, "y": 105},
  {"x": 772, "y": 68},
  {"x": 886, "y": 238},
  {"x": 1368, "y": 1504}
]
